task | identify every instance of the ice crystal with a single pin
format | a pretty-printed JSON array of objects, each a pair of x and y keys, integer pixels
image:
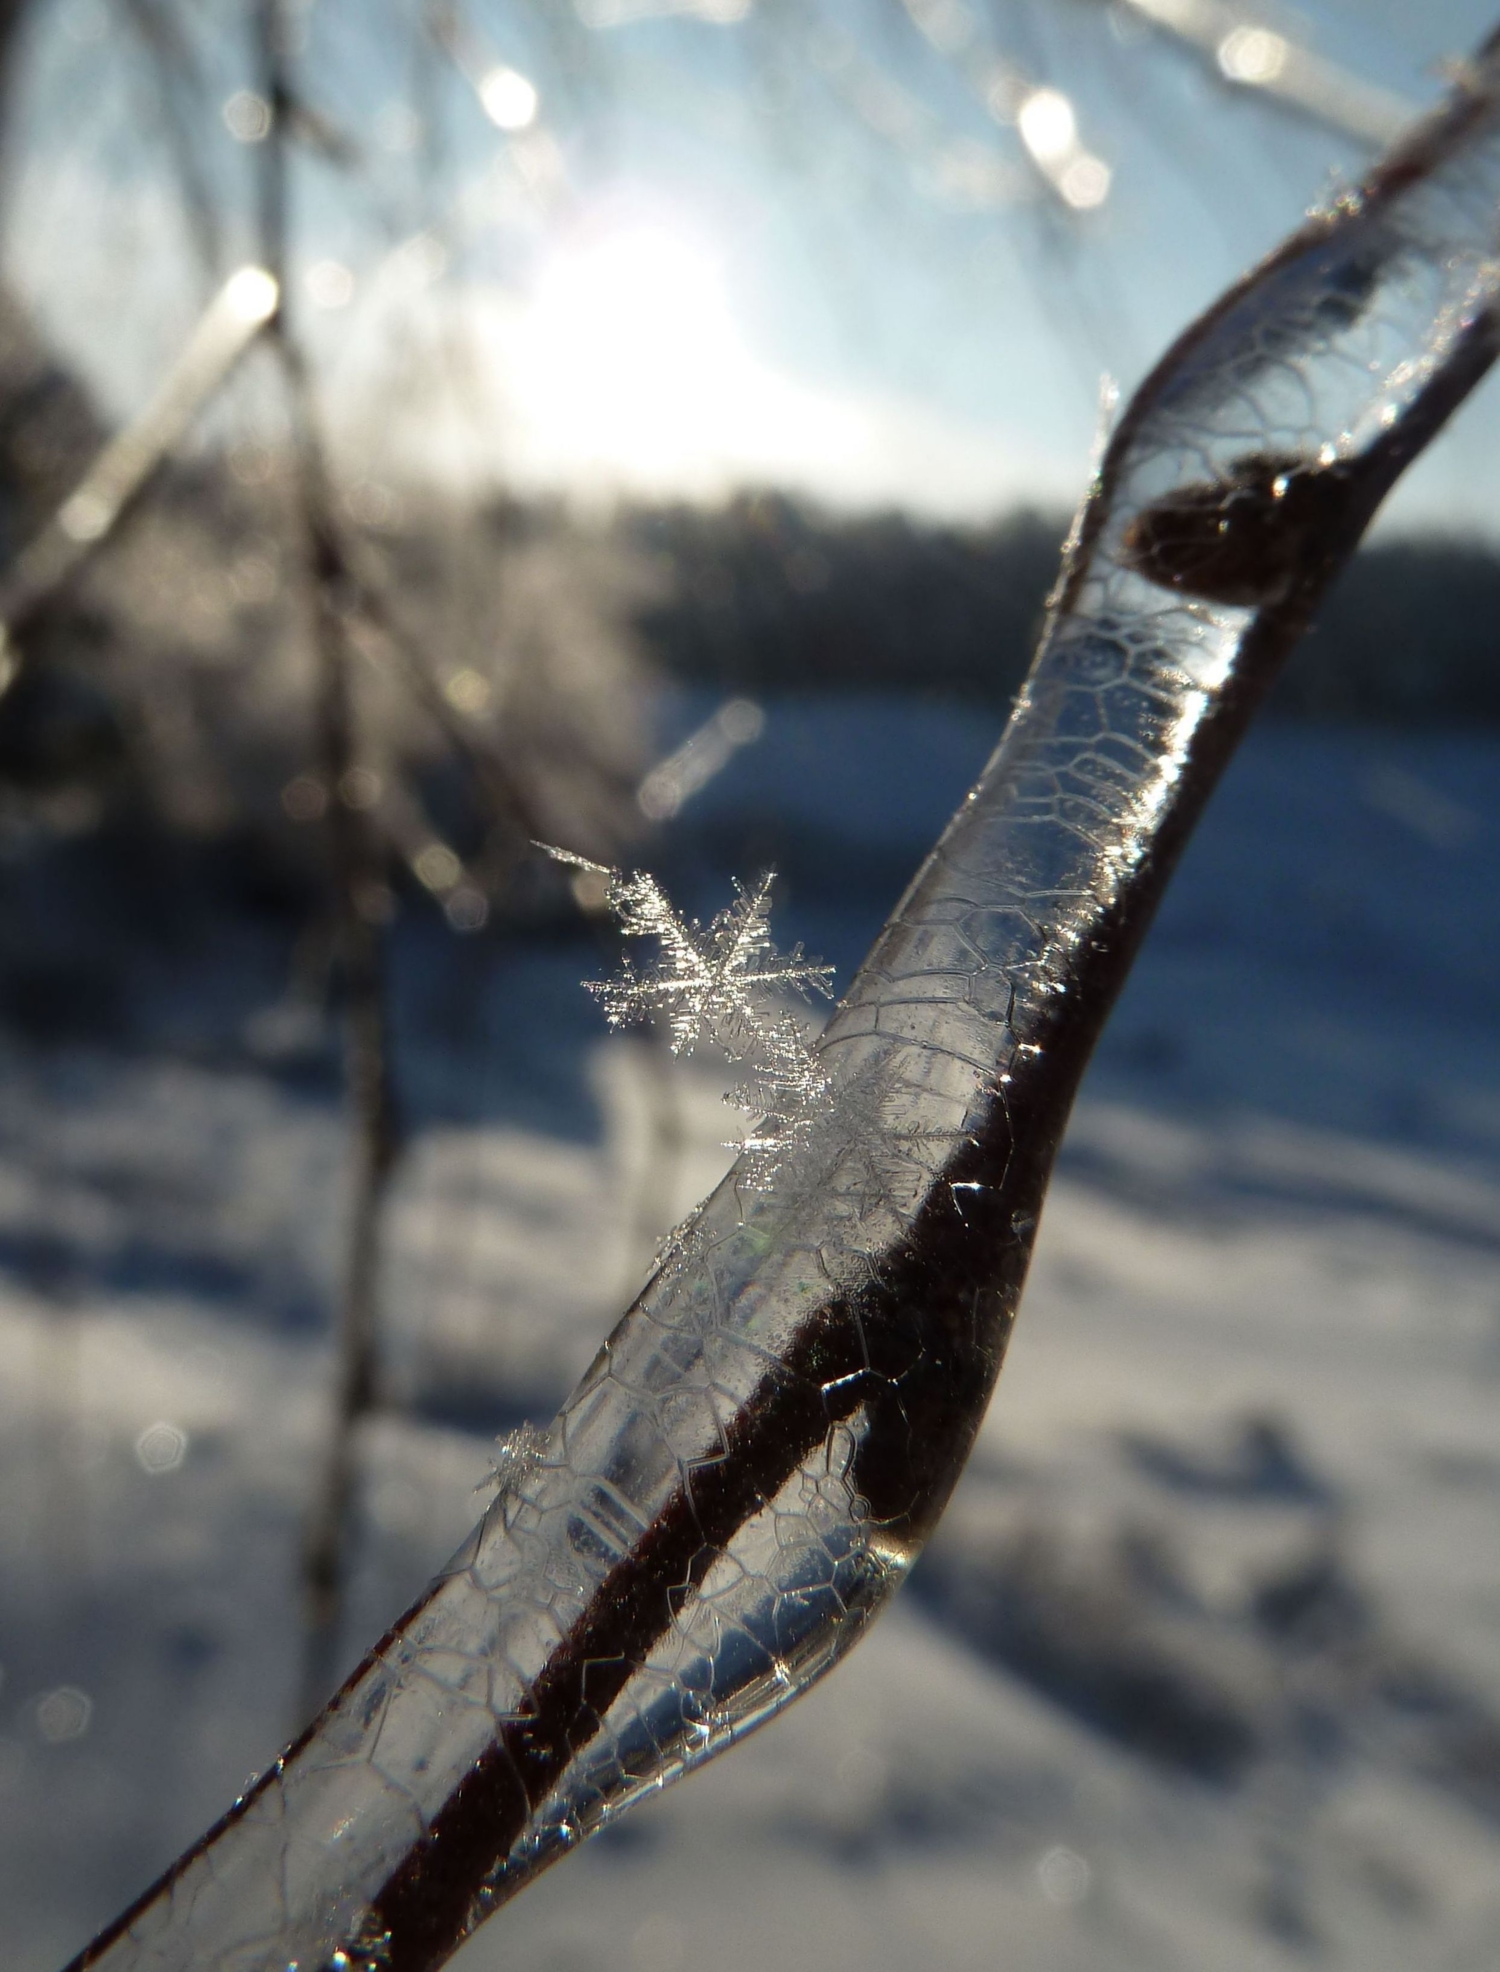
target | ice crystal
[
  {"x": 517, "y": 1455},
  {"x": 725, "y": 986}
]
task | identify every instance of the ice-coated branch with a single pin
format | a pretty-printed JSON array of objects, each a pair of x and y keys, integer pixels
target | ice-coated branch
[
  {"x": 1248, "y": 55},
  {"x": 243, "y": 307},
  {"x": 763, "y": 1444}
]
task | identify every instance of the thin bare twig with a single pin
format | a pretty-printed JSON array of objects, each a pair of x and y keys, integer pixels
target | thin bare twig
[
  {"x": 177, "y": 78},
  {"x": 357, "y": 862}
]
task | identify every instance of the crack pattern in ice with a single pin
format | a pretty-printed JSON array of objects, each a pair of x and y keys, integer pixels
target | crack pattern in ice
[{"x": 762, "y": 1445}]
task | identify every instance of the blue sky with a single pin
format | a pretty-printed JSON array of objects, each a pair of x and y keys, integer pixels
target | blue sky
[{"x": 701, "y": 264}]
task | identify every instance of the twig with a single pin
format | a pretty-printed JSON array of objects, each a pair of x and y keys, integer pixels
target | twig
[
  {"x": 238, "y": 314},
  {"x": 177, "y": 71},
  {"x": 357, "y": 863},
  {"x": 1247, "y": 55}
]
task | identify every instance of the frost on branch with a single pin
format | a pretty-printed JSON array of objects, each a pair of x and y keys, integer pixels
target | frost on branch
[
  {"x": 517, "y": 1456},
  {"x": 725, "y": 986}
]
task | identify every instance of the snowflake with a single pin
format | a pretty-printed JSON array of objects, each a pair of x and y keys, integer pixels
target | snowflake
[
  {"x": 725, "y": 986},
  {"x": 517, "y": 1456}
]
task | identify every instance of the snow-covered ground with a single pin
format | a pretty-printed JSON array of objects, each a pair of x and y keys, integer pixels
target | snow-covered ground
[{"x": 1203, "y": 1668}]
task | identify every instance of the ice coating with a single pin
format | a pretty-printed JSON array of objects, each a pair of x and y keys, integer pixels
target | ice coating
[{"x": 762, "y": 1445}]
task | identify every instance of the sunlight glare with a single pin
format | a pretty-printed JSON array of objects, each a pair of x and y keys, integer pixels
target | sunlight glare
[
  {"x": 631, "y": 347},
  {"x": 621, "y": 370},
  {"x": 1253, "y": 55},
  {"x": 510, "y": 100},
  {"x": 1048, "y": 127},
  {"x": 251, "y": 295},
  {"x": 1085, "y": 182}
]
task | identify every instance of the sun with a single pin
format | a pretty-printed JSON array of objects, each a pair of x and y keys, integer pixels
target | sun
[
  {"x": 621, "y": 369},
  {"x": 630, "y": 360}
]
